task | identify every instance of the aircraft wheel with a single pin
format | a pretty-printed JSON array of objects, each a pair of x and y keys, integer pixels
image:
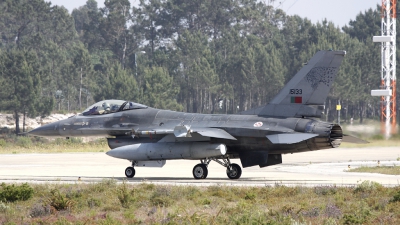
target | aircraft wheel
[
  {"x": 130, "y": 172},
  {"x": 200, "y": 171},
  {"x": 235, "y": 172}
]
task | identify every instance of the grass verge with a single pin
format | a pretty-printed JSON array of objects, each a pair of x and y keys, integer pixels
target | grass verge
[
  {"x": 389, "y": 170},
  {"x": 12, "y": 144},
  {"x": 107, "y": 202}
]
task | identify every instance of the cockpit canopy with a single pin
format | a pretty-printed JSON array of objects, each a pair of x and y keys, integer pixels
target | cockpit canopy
[{"x": 111, "y": 106}]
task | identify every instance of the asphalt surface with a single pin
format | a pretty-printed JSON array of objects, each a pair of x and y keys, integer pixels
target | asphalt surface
[{"x": 325, "y": 167}]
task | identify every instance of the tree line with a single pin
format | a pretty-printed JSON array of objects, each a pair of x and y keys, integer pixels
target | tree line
[{"x": 205, "y": 56}]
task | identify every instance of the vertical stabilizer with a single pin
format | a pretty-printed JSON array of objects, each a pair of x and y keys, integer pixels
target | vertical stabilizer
[{"x": 304, "y": 95}]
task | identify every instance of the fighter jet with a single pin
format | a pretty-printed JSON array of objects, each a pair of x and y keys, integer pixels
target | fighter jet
[{"x": 147, "y": 137}]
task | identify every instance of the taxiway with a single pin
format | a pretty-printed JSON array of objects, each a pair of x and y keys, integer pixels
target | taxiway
[{"x": 325, "y": 167}]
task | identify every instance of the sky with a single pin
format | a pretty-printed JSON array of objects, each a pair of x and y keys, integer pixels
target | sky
[{"x": 340, "y": 12}]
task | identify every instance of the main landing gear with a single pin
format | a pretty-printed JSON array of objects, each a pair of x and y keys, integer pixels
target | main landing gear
[
  {"x": 200, "y": 171},
  {"x": 233, "y": 170}
]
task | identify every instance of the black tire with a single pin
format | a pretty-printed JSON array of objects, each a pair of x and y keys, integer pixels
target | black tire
[
  {"x": 200, "y": 171},
  {"x": 235, "y": 172},
  {"x": 130, "y": 172}
]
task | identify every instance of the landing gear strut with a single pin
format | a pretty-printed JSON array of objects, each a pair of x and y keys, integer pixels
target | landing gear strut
[{"x": 233, "y": 170}]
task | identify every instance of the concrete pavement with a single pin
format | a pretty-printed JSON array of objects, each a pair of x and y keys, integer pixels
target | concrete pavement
[{"x": 325, "y": 167}]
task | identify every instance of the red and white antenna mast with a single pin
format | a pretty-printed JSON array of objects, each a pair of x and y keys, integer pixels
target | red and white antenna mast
[{"x": 388, "y": 72}]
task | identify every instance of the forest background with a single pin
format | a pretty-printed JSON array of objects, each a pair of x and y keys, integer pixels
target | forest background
[{"x": 203, "y": 56}]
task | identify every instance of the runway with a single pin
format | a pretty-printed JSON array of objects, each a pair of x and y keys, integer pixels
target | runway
[{"x": 325, "y": 167}]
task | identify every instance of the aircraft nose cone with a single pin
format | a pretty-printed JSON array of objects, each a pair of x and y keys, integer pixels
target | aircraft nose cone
[
  {"x": 114, "y": 153},
  {"x": 48, "y": 130},
  {"x": 120, "y": 152},
  {"x": 109, "y": 153}
]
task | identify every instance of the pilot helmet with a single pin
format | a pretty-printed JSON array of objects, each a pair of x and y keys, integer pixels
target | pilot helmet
[{"x": 106, "y": 106}]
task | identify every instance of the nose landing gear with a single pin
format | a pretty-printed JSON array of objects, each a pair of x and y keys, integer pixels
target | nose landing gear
[{"x": 130, "y": 172}]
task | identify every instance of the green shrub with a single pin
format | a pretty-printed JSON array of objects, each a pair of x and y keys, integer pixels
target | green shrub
[
  {"x": 250, "y": 195},
  {"x": 68, "y": 142},
  {"x": 59, "y": 201},
  {"x": 12, "y": 193},
  {"x": 378, "y": 137},
  {"x": 161, "y": 197},
  {"x": 3, "y": 143},
  {"x": 125, "y": 196},
  {"x": 3, "y": 207},
  {"x": 395, "y": 137},
  {"x": 39, "y": 210},
  {"x": 104, "y": 185},
  {"x": 351, "y": 219},
  {"x": 93, "y": 202},
  {"x": 24, "y": 142},
  {"x": 368, "y": 186},
  {"x": 359, "y": 215},
  {"x": 325, "y": 190},
  {"x": 396, "y": 197},
  {"x": 205, "y": 202}
]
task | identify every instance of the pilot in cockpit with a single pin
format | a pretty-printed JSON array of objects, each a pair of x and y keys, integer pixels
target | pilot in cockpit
[{"x": 106, "y": 108}]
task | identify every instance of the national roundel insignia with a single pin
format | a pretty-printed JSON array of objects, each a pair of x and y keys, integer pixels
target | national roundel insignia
[{"x": 258, "y": 124}]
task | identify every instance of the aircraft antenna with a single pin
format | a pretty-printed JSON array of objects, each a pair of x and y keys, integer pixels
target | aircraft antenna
[{"x": 388, "y": 71}]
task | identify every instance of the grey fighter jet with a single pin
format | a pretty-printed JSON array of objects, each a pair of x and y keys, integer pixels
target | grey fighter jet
[{"x": 148, "y": 137}]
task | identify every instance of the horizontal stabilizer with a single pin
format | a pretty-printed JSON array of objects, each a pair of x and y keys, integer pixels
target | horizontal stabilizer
[
  {"x": 352, "y": 139},
  {"x": 289, "y": 138}
]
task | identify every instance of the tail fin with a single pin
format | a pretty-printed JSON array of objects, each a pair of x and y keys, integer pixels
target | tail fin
[{"x": 304, "y": 95}]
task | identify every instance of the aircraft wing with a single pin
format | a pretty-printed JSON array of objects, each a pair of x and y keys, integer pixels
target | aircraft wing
[
  {"x": 213, "y": 132},
  {"x": 186, "y": 131}
]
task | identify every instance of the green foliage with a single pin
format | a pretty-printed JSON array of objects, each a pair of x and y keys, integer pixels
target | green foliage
[
  {"x": 160, "y": 89},
  {"x": 59, "y": 201},
  {"x": 161, "y": 197},
  {"x": 69, "y": 141},
  {"x": 3, "y": 143},
  {"x": 3, "y": 207},
  {"x": 250, "y": 195},
  {"x": 39, "y": 210},
  {"x": 200, "y": 56},
  {"x": 359, "y": 215},
  {"x": 94, "y": 202},
  {"x": 126, "y": 196},
  {"x": 24, "y": 142},
  {"x": 205, "y": 202},
  {"x": 396, "y": 197},
  {"x": 378, "y": 137},
  {"x": 100, "y": 203},
  {"x": 368, "y": 186},
  {"x": 325, "y": 190},
  {"x": 12, "y": 193}
]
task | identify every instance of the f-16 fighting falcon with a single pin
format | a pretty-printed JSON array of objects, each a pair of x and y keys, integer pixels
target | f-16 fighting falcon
[{"x": 148, "y": 137}]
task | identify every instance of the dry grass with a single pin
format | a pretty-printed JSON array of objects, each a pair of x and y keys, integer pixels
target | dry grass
[
  {"x": 16, "y": 145},
  {"x": 372, "y": 143},
  {"x": 55, "y": 149},
  {"x": 390, "y": 170},
  {"x": 110, "y": 203}
]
